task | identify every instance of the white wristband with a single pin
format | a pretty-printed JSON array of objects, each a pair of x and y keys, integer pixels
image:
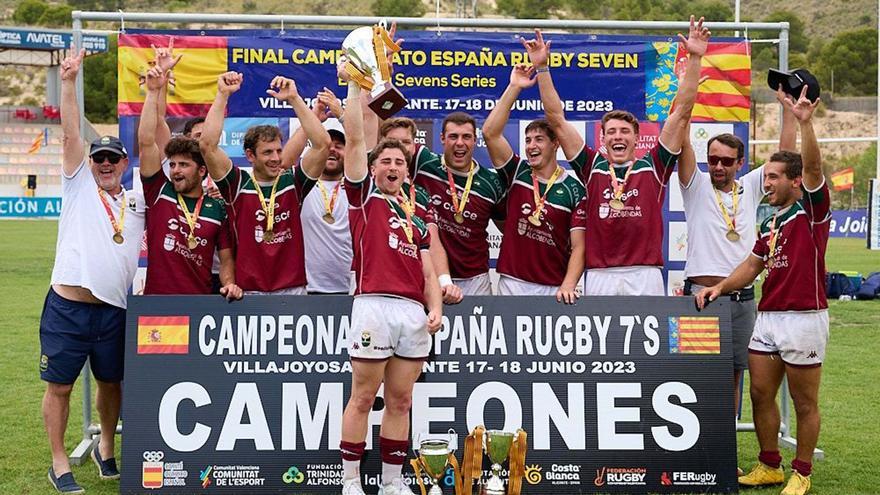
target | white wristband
[{"x": 444, "y": 280}]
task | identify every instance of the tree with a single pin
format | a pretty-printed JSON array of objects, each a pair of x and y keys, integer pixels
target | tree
[
  {"x": 29, "y": 12},
  {"x": 56, "y": 16},
  {"x": 529, "y": 9},
  {"x": 864, "y": 168},
  {"x": 852, "y": 56},
  {"x": 99, "y": 84},
  {"x": 398, "y": 8}
]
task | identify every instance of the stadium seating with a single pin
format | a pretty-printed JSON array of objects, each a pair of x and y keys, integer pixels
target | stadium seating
[{"x": 15, "y": 162}]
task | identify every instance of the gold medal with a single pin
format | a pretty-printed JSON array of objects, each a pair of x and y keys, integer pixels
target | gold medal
[
  {"x": 191, "y": 242},
  {"x": 117, "y": 238},
  {"x": 268, "y": 208},
  {"x": 268, "y": 236},
  {"x": 191, "y": 219},
  {"x": 616, "y": 204},
  {"x": 459, "y": 204},
  {"x": 117, "y": 226},
  {"x": 732, "y": 235},
  {"x": 459, "y": 218},
  {"x": 328, "y": 217},
  {"x": 535, "y": 219}
]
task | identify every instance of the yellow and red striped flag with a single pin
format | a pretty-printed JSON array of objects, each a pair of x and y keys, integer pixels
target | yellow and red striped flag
[
  {"x": 725, "y": 95},
  {"x": 694, "y": 335},
  {"x": 163, "y": 335},
  {"x": 38, "y": 142},
  {"x": 843, "y": 179}
]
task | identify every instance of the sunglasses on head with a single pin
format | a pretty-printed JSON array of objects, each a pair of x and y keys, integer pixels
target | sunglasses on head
[
  {"x": 727, "y": 161},
  {"x": 110, "y": 157}
]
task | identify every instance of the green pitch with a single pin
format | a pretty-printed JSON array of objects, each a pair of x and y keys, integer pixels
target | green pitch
[{"x": 850, "y": 434}]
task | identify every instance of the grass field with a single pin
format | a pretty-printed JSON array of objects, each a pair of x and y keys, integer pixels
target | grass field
[{"x": 850, "y": 393}]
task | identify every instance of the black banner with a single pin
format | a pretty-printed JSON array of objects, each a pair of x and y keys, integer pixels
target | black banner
[{"x": 617, "y": 394}]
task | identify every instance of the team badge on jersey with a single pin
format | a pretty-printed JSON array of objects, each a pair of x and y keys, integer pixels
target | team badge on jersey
[
  {"x": 393, "y": 240},
  {"x": 604, "y": 210},
  {"x": 168, "y": 243}
]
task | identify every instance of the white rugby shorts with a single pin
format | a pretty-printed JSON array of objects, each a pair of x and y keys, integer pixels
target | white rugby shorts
[
  {"x": 799, "y": 337},
  {"x": 509, "y": 286},
  {"x": 478, "y": 285},
  {"x": 383, "y": 326},
  {"x": 625, "y": 281}
]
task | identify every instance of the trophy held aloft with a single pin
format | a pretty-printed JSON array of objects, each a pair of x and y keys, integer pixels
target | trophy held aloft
[{"x": 366, "y": 51}]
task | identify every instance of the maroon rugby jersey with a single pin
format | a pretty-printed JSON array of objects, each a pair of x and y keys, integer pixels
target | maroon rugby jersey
[
  {"x": 538, "y": 254},
  {"x": 385, "y": 262},
  {"x": 467, "y": 244},
  {"x": 796, "y": 275},
  {"x": 173, "y": 268},
  {"x": 634, "y": 235},
  {"x": 280, "y": 263}
]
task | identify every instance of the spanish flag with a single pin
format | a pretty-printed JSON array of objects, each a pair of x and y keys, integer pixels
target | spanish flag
[
  {"x": 843, "y": 179},
  {"x": 694, "y": 335},
  {"x": 193, "y": 83},
  {"x": 163, "y": 335}
]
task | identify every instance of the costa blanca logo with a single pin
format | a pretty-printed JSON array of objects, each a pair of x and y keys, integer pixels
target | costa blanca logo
[
  {"x": 533, "y": 474},
  {"x": 293, "y": 475}
]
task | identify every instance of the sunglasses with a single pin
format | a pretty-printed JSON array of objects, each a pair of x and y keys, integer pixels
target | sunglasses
[
  {"x": 727, "y": 161},
  {"x": 110, "y": 157}
]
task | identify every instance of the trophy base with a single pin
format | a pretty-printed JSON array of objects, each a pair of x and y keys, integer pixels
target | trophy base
[
  {"x": 435, "y": 490},
  {"x": 387, "y": 102},
  {"x": 494, "y": 486}
]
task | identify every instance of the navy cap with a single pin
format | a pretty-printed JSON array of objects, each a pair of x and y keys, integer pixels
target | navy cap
[
  {"x": 336, "y": 134},
  {"x": 108, "y": 143}
]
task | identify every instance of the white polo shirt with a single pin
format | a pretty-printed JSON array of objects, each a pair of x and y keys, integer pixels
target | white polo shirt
[
  {"x": 708, "y": 250},
  {"x": 328, "y": 246},
  {"x": 85, "y": 254}
]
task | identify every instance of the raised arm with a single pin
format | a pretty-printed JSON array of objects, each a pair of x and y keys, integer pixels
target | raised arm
[
  {"x": 166, "y": 61},
  {"x": 675, "y": 127},
  {"x": 810, "y": 155},
  {"x": 71, "y": 137},
  {"x": 687, "y": 160},
  {"x": 353, "y": 123},
  {"x": 215, "y": 158},
  {"x": 148, "y": 149},
  {"x": 294, "y": 146},
  {"x": 493, "y": 128},
  {"x": 284, "y": 89},
  {"x": 788, "y": 134},
  {"x": 539, "y": 54}
]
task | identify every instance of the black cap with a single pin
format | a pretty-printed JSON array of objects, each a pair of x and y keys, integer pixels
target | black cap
[
  {"x": 108, "y": 143},
  {"x": 336, "y": 134},
  {"x": 793, "y": 83}
]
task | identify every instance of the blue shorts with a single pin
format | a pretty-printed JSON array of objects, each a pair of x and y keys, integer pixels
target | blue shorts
[{"x": 72, "y": 331}]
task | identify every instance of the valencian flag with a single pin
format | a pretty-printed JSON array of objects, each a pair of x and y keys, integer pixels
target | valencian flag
[
  {"x": 163, "y": 335},
  {"x": 694, "y": 335},
  {"x": 843, "y": 179},
  {"x": 724, "y": 96},
  {"x": 193, "y": 82}
]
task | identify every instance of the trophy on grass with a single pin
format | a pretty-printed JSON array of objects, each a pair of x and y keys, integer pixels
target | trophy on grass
[
  {"x": 499, "y": 446},
  {"x": 367, "y": 63},
  {"x": 434, "y": 454}
]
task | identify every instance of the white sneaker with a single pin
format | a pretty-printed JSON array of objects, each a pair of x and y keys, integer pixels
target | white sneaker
[
  {"x": 396, "y": 487},
  {"x": 352, "y": 487}
]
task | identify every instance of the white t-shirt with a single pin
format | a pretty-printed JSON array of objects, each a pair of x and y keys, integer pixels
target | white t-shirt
[
  {"x": 708, "y": 250},
  {"x": 86, "y": 255},
  {"x": 328, "y": 246}
]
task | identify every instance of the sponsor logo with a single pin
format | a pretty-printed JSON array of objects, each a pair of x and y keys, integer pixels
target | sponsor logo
[
  {"x": 318, "y": 475},
  {"x": 44, "y": 362},
  {"x": 688, "y": 478},
  {"x": 155, "y": 473},
  {"x": 205, "y": 477},
  {"x": 812, "y": 355},
  {"x": 393, "y": 240},
  {"x": 366, "y": 339},
  {"x": 293, "y": 475},
  {"x": 533, "y": 474},
  {"x": 620, "y": 476},
  {"x": 236, "y": 476},
  {"x": 664, "y": 479}
]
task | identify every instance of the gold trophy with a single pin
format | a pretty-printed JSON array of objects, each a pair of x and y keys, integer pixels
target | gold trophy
[
  {"x": 435, "y": 453},
  {"x": 499, "y": 445},
  {"x": 366, "y": 51}
]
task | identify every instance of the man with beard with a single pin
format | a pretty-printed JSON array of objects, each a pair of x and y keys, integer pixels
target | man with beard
[
  {"x": 624, "y": 239},
  {"x": 466, "y": 196},
  {"x": 99, "y": 239},
  {"x": 270, "y": 256},
  {"x": 791, "y": 331},
  {"x": 184, "y": 226},
  {"x": 543, "y": 248},
  {"x": 390, "y": 333}
]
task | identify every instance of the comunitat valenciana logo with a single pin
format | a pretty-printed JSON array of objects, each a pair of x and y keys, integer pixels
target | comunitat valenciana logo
[{"x": 293, "y": 475}]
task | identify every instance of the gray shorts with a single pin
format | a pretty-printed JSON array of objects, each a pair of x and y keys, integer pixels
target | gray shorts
[{"x": 742, "y": 319}]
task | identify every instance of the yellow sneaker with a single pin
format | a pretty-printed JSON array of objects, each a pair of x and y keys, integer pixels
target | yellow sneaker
[
  {"x": 763, "y": 474},
  {"x": 798, "y": 484}
]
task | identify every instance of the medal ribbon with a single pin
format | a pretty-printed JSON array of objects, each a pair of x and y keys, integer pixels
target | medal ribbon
[
  {"x": 330, "y": 202},
  {"x": 268, "y": 208},
  {"x": 539, "y": 199},
  {"x": 774, "y": 236},
  {"x": 618, "y": 185},
  {"x": 407, "y": 228},
  {"x": 729, "y": 218},
  {"x": 459, "y": 205},
  {"x": 117, "y": 226},
  {"x": 191, "y": 218}
]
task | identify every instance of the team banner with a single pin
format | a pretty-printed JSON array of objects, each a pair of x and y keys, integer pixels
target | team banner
[
  {"x": 442, "y": 72},
  {"x": 617, "y": 395}
]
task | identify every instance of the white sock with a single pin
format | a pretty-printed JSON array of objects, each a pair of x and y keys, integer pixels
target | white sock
[
  {"x": 351, "y": 469},
  {"x": 390, "y": 472}
]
